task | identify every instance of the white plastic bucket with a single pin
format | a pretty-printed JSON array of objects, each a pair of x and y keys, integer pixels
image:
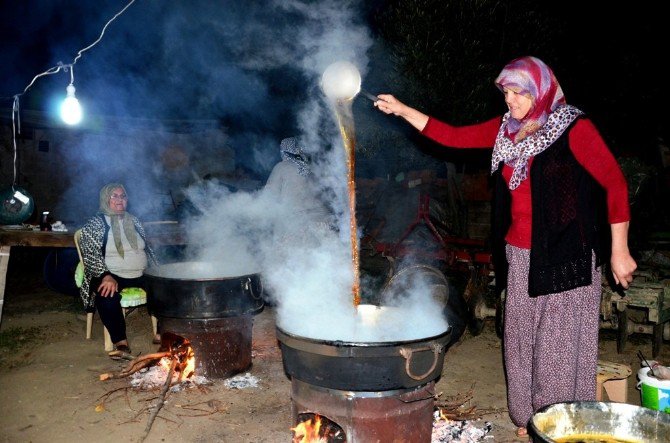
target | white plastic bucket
[{"x": 655, "y": 393}]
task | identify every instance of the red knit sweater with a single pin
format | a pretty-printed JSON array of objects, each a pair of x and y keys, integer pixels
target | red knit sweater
[{"x": 587, "y": 146}]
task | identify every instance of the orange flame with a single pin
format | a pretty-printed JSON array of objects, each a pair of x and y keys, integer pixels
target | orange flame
[
  {"x": 165, "y": 363},
  {"x": 189, "y": 370},
  {"x": 189, "y": 366},
  {"x": 308, "y": 431}
]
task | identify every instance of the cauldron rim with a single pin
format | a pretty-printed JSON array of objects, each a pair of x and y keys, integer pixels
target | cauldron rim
[
  {"x": 148, "y": 272},
  {"x": 363, "y": 366},
  {"x": 372, "y": 344}
]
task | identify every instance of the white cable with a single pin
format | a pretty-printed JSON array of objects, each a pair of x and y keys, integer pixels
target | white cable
[
  {"x": 57, "y": 68},
  {"x": 81, "y": 51},
  {"x": 16, "y": 124},
  {"x": 15, "y": 112}
]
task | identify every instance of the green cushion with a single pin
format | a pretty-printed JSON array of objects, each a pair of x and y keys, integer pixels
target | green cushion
[
  {"x": 79, "y": 274},
  {"x": 133, "y": 297}
]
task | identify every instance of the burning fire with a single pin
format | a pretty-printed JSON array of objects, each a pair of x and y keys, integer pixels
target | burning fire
[
  {"x": 179, "y": 349},
  {"x": 308, "y": 432},
  {"x": 317, "y": 429},
  {"x": 190, "y": 364},
  {"x": 187, "y": 365}
]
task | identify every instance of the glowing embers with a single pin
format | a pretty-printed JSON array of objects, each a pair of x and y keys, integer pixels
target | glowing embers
[
  {"x": 450, "y": 430},
  {"x": 175, "y": 351},
  {"x": 313, "y": 428},
  {"x": 172, "y": 364}
]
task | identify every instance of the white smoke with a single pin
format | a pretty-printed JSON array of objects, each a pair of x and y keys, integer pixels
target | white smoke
[{"x": 306, "y": 266}]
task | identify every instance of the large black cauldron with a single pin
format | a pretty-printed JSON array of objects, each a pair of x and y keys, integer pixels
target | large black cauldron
[
  {"x": 379, "y": 366},
  {"x": 212, "y": 307},
  {"x": 202, "y": 290}
]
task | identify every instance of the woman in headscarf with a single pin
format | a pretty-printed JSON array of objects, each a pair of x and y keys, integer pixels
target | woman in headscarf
[
  {"x": 292, "y": 184},
  {"x": 553, "y": 172},
  {"x": 115, "y": 254}
]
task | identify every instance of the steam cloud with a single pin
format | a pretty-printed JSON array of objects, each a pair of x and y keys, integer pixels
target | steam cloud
[
  {"x": 206, "y": 87},
  {"x": 306, "y": 266}
]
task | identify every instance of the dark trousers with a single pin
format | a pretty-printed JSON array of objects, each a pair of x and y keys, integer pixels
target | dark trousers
[{"x": 109, "y": 308}]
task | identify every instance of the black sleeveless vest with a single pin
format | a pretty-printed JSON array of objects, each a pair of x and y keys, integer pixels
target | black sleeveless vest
[{"x": 569, "y": 222}]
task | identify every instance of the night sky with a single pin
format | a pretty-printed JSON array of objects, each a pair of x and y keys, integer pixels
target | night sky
[
  {"x": 234, "y": 60},
  {"x": 254, "y": 66},
  {"x": 159, "y": 59}
]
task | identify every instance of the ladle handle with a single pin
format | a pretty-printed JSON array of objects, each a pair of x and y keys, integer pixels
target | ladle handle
[
  {"x": 373, "y": 98},
  {"x": 641, "y": 357},
  {"x": 408, "y": 353}
]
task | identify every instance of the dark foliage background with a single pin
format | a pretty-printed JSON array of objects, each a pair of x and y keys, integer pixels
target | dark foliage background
[
  {"x": 445, "y": 55},
  {"x": 442, "y": 57}
]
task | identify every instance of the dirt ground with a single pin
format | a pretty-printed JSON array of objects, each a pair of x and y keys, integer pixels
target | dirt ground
[{"x": 50, "y": 391}]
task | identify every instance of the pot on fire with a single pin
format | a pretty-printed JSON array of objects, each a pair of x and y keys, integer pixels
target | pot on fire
[
  {"x": 212, "y": 306},
  {"x": 363, "y": 366}
]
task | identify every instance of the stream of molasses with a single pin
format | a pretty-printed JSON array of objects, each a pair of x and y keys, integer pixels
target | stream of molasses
[{"x": 346, "y": 124}]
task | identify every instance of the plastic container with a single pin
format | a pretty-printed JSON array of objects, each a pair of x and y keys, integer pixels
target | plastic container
[{"x": 655, "y": 393}]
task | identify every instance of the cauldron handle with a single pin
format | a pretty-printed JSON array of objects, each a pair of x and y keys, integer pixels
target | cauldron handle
[
  {"x": 408, "y": 353},
  {"x": 250, "y": 287}
]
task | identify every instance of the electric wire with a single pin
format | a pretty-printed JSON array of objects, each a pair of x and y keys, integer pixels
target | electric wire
[{"x": 16, "y": 118}]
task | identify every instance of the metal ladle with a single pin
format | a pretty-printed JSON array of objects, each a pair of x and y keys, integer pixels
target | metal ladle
[{"x": 342, "y": 81}]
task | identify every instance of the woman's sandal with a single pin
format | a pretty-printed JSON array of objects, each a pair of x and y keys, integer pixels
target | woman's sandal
[
  {"x": 121, "y": 352},
  {"x": 521, "y": 432}
]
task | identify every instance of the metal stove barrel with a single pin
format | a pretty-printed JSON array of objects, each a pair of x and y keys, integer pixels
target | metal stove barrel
[{"x": 215, "y": 314}]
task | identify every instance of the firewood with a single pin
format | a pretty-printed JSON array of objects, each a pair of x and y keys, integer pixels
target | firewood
[
  {"x": 154, "y": 356},
  {"x": 135, "y": 365},
  {"x": 161, "y": 400},
  {"x": 125, "y": 373}
]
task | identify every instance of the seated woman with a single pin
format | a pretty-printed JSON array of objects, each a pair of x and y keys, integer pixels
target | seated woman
[{"x": 115, "y": 254}]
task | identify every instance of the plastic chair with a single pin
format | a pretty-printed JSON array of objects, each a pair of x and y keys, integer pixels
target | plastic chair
[{"x": 127, "y": 303}]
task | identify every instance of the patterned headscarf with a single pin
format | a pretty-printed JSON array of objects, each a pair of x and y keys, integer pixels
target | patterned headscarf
[
  {"x": 548, "y": 117},
  {"x": 116, "y": 218},
  {"x": 291, "y": 150}
]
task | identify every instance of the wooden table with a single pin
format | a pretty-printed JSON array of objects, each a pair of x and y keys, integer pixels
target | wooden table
[{"x": 158, "y": 235}]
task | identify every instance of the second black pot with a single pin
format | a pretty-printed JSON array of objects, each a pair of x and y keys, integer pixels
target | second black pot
[{"x": 172, "y": 293}]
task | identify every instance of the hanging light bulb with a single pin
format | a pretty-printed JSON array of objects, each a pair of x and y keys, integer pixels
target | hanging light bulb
[{"x": 70, "y": 110}]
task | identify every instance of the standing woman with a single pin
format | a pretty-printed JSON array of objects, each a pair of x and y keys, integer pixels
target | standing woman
[
  {"x": 292, "y": 183},
  {"x": 552, "y": 172},
  {"x": 115, "y": 255}
]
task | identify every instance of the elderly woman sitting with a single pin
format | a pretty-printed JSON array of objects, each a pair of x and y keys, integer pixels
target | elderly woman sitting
[{"x": 115, "y": 254}]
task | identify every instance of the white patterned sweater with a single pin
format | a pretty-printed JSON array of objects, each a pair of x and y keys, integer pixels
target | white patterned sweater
[{"x": 92, "y": 243}]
